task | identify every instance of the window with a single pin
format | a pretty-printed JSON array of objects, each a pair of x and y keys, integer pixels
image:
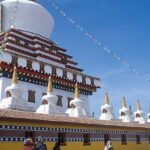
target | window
[
  {"x": 69, "y": 99},
  {"x": 62, "y": 138},
  {"x": 86, "y": 139},
  {"x": 29, "y": 134},
  {"x": 26, "y": 43},
  {"x": 17, "y": 40},
  {"x": 74, "y": 77},
  {"x": 64, "y": 73},
  {"x": 43, "y": 46},
  {"x": 83, "y": 79},
  {"x": 14, "y": 61},
  {"x": 106, "y": 138},
  {"x": 41, "y": 67},
  {"x": 31, "y": 96},
  {"x": 92, "y": 81},
  {"x": 53, "y": 70},
  {"x": 124, "y": 139},
  {"x": 59, "y": 102},
  {"x": 138, "y": 141},
  {"x": 29, "y": 63}
]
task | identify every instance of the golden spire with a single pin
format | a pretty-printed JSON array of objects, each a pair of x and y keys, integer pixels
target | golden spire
[
  {"x": 106, "y": 98},
  {"x": 130, "y": 110},
  {"x": 14, "y": 76},
  {"x": 50, "y": 85},
  {"x": 124, "y": 102},
  {"x": 138, "y": 107},
  {"x": 76, "y": 93}
]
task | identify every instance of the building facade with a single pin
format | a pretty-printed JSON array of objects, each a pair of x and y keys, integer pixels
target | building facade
[{"x": 30, "y": 63}]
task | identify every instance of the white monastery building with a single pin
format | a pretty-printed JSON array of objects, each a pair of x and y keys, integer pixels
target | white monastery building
[
  {"x": 31, "y": 64},
  {"x": 25, "y": 44}
]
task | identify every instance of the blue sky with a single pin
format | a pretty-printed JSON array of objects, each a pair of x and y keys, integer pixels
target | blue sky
[{"x": 124, "y": 27}]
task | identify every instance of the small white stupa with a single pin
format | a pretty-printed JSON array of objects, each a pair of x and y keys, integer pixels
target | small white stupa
[
  {"x": 49, "y": 101},
  {"x": 139, "y": 115},
  {"x": 148, "y": 115},
  {"x": 125, "y": 113},
  {"x": 77, "y": 105},
  {"x": 107, "y": 110},
  {"x": 14, "y": 94}
]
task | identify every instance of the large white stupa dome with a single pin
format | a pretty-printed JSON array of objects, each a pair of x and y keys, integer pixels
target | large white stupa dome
[{"x": 28, "y": 16}]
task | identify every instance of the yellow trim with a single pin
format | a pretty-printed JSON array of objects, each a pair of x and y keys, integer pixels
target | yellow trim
[
  {"x": 50, "y": 85},
  {"x": 106, "y": 98},
  {"x": 14, "y": 76},
  {"x": 76, "y": 93}
]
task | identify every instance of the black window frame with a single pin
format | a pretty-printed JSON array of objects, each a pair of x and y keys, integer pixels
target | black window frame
[
  {"x": 124, "y": 139},
  {"x": 62, "y": 138},
  {"x": 31, "y": 96},
  {"x": 106, "y": 138},
  {"x": 30, "y": 134},
  {"x": 86, "y": 139},
  {"x": 59, "y": 101},
  {"x": 138, "y": 139}
]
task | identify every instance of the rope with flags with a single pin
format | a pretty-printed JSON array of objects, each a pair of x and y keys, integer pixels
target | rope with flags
[{"x": 97, "y": 42}]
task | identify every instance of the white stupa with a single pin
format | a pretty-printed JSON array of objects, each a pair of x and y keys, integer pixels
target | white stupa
[
  {"x": 125, "y": 113},
  {"x": 148, "y": 115},
  {"x": 49, "y": 102},
  {"x": 77, "y": 106},
  {"x": 139, "y": 115},
  {"x": 107, "y": 110},
  {"x": 14, "y": 96},
  {"x": 26, "y": 15}
]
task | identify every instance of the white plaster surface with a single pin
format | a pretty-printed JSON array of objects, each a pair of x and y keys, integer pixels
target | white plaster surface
[
  {"x": 25, "y": 86},
  {"x": 31, "y": 17}
]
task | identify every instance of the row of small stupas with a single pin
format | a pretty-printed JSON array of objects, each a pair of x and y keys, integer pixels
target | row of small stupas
[{"x": 48, "y": 106}]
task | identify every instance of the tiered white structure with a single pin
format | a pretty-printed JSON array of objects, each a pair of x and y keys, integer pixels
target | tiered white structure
[
  {"x": 148, "y": 115},
  {"x": 125, "y": 113},
  {"x": 49, "y": 102},
  {"x": 139, "y": 115},
  {"x": 14, "y": 96},
  {"x": 26, "y": 27},
  {"x": 77, "y": 105},
  {"x": 107, "y": 110}
]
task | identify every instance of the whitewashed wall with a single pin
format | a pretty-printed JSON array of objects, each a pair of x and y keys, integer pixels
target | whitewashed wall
[
  {"x": 35, "y": 19},
  {"x": 4, "y": 82}
]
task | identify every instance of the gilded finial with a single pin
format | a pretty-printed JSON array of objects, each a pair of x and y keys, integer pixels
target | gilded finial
[
  {"x": 14, "y": 76},
  {"x": 138, "y": 107},
  {"x": 76, "y": 94},
  {"x": 106, "y": 98},
  {"x": 124, "y": 102},
  {"x": 50, "y": 85},
  {"x": 130, "y": 110}
]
